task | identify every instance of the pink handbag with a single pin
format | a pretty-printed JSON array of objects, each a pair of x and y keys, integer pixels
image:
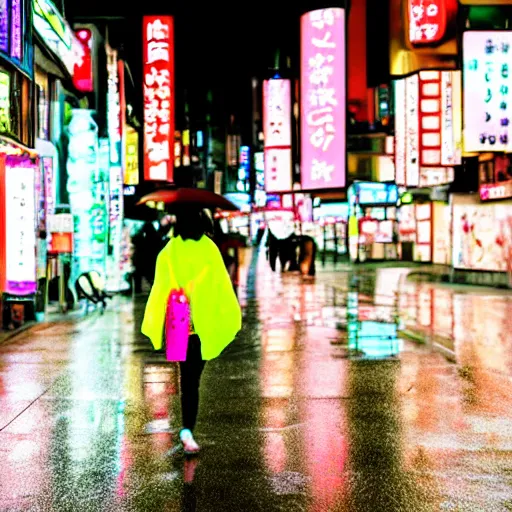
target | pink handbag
[
  {"x": 177, "y": 326},
  {"x": 177, "y": 321}
]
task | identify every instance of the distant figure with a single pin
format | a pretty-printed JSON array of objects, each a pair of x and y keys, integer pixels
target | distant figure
[
  {"x": 284, "y": 249},
  {"x": 147, "y": 243},
  {"x": 307, "y": 256}
]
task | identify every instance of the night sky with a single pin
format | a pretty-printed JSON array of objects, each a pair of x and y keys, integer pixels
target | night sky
[{"x": 218, "y": 46}]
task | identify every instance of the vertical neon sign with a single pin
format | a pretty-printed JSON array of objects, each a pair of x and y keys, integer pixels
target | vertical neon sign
[
  {"x": 277, "y": 135},
  {"x": 323, "y": 99},
  {"x": 158, "y": 37},
  {"x": 4, "y": 25},
  {"x": 16, "y": 39},
  {"x": 427, "y": 21}
]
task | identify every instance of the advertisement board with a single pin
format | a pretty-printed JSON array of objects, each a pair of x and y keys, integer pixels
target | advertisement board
[
  {"x": 20, "y": 234},
  {"x": 487, "y": 82},
  {"x": 482, "y": 235},
  {"x": 277, "y": 135},
  {"x": 323, "y": 99},
  {"x": 158, "y": 69},
  {"x": 428, "y": 128}
]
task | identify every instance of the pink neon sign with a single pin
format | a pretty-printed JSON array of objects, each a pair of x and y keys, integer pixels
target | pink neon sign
[
  {"x": 323, "y": 99},
  {"x": 277, "y": 135}
]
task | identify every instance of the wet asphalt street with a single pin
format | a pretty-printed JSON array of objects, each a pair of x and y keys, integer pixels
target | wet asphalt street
[{"x": 289, "y": 420}]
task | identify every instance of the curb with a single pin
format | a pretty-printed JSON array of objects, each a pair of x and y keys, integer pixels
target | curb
[{"x": 16, "y": 332}]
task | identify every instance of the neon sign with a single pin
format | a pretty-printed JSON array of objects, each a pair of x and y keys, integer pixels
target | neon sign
[
  {"x": 83, "y": 76},
  {"x": 487, "y": 91},
  {"x": 494, "y": 191},
  {"x": 427, "y": 21},
  {"x": 277, "y": 135},
  {"x": 57, "y": 34},
  {"x": 16, "y": 29},
  {"x": 323, "y": 94},
  {"x": 158, "y": 36}
]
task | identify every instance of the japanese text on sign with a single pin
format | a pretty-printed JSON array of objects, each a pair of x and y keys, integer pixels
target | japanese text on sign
[
  {"x": 113, "y": 107},
  {"x": 158, "y": 97},
  {"x": 277, "y": 135},
  {"x": 427, "y": 21},
  {"x": 323, "y": 98},
  {"x": 487, "y": 90}
]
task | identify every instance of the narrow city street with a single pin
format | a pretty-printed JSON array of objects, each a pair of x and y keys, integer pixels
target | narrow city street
[{"x": 290, "y": 420}]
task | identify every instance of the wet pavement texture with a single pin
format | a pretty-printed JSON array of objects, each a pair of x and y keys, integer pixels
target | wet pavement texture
[{"x": 289, "y": 419}]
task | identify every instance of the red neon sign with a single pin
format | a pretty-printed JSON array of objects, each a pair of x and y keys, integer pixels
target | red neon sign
[
  {"x": 82, "y": 75},
  {"x": 158, "y": 40},
  {"x": 427, "y": 20}
]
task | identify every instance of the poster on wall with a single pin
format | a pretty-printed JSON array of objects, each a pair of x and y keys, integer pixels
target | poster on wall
[
  {"x": 20, "y": 218},
  {"x": 487, "y": 102},
  {"x": 441, "y": 242},
  {"x": 482, "y": 236},
  {"x": 323, "y": 99}
]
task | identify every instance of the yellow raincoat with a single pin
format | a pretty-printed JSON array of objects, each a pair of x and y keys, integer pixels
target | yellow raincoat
[{"x": 199, "y": 269}]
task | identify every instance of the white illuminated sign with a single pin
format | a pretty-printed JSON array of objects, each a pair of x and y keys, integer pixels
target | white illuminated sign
[
  {"x": 487, "y": 90},
  {"x": 400, "y": 128},
  {"x": 113, "y": 107},
  {"x": 412, "y": 153},
  {"x": 19, "y": 225}
]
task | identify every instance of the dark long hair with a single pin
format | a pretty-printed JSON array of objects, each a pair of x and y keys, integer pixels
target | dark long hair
[{"x": 190, "y": 223}]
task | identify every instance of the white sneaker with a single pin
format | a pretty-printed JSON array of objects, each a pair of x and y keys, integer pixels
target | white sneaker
[{"x": 190, "y": 447}]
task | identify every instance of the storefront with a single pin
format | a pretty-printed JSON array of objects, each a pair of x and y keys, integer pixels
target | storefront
[
  {"x": 482, "y": 238},
  {"x": 330, "y": 227},
  {"x": 373, "y": 221},
  {"x": 18, "y": 279}
]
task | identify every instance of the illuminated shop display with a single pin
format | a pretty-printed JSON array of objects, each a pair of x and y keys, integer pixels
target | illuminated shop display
[
  {"x": 83, "y": 175},
  {"x": 17, "y": 225},
  {"x": 482, "y": 235},
  {"x": 83, "y": 78},
  {"x": 115, "y": 178},
  {"x": 487, "y": 90},
  {"x": 495, "y": 176},
  {"x": 323, "y": 99},
  {"x": 5, "y": 102},
  {"x": 277, "y": 135},
  {"x": 158, "y": 41},
  {"x": 57, "y": 34},
  {"x": 372, "y": 221},
  {"x": 428, "y": 132}
]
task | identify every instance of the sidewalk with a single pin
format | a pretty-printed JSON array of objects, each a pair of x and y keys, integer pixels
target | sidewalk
[{"x": 51, "y": 319}]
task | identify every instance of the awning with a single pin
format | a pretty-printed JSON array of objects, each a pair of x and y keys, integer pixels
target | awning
[{"x": 12, "y": 147}]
